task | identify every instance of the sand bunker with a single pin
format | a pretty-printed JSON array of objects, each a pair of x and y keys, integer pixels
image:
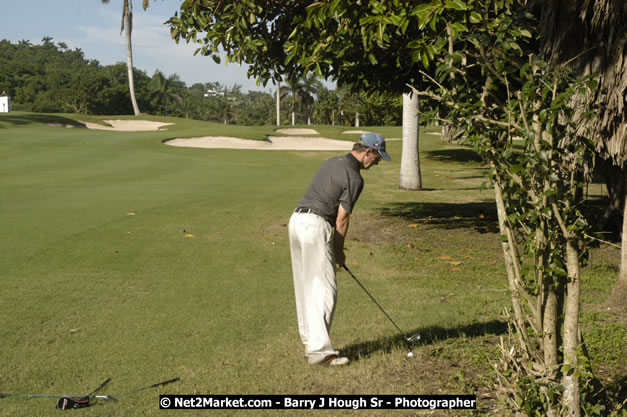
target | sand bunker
[
  {"x": 128, "y": 125},
  {"x": 348, "y": 132},
  {"x": 277, "y": 143},
  {"x": 297, "y": 131}
]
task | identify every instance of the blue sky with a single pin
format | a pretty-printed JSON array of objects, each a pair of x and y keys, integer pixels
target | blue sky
[{"x": 95, "y": 29}]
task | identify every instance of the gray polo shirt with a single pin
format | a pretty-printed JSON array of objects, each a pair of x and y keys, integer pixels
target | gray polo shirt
[{"x": 337, "y": 181}]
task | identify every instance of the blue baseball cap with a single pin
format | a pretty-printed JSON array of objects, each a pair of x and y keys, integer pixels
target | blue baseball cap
[{"x": 376, "y": 142}]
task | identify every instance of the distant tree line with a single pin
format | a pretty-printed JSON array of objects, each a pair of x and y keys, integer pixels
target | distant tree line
[{"x": 51, "y": 77}]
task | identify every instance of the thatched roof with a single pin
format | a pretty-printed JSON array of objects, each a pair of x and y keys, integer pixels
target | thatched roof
[{"x": 592, "y": 36}]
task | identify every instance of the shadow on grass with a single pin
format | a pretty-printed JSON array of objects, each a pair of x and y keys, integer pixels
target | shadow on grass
[
  {"x": 459, "y": 155},
  {"x": 28, "y": 119},
  {"x": 428, "y": 336},
  {"x": 480, "y": 216}
]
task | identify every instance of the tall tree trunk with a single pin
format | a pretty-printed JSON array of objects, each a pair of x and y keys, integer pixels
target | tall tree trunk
[
  {"x": 618, "y": 298},
  {"x": 550, "y": 340},
  {"x": 623, "y": 267},
  {"x": 410, "y": 178},
  {"x": 571, "y": 331},
  {"x": 356, "y": 119},
  {"x": 512, "y": 267},
  {"x": 278, "y": 103},
  {"x": 128, "y": 19}
]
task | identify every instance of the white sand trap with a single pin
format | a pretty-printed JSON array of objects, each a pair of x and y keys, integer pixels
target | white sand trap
[
  {"x": 128, "y": 125},
  {"x": 277, "y": 143},
  {"x": 349, "y": 132},
  {"x": 297, "y": 131},
  {"x": 67, "y": 126}
]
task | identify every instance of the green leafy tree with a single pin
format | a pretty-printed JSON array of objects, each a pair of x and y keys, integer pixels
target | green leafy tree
[
  {"x": 115, "y": 97},
  {"x": 50, "y": 78},
  {"x": 325, "y": 109},
  {"x": 351, "y": 104}
]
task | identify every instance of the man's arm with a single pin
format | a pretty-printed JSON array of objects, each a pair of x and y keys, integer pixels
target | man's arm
[{"x": 341, "y": 228}]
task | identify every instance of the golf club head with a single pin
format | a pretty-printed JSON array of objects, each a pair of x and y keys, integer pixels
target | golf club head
[
  {"x": 67, "y": 403},
  {"x": 413, "y": 338},
  {"x": 107, "y": 397}
]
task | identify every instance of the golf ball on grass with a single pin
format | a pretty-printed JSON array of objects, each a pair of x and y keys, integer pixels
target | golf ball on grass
[{"x": 410, "y": 355}]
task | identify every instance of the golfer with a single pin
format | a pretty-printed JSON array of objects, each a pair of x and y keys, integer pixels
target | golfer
[{"x": 317, "y": 230}]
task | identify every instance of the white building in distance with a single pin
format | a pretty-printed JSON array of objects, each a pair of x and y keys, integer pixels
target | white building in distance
[{"x": 5, "y": 103}]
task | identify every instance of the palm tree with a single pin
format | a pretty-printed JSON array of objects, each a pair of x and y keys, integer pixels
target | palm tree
[
  {"x": 278, "y": 103},
  {"x": 309, "y": 88},
  {"x": 165, "y": 90},
  {"x": 410, "y": 178},
  {"x": 292, "y": 88},
  {"x": 302, "y": 89},
  {"x": 127, "y": 23}
]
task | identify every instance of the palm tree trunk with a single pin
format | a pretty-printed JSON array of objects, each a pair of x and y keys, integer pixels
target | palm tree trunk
[
  {"x": 410, "y": 178},
  {"x": 293, "y": 105},
  {"x": 278, "y": 103},
  {"x": 128, "y": 17}
]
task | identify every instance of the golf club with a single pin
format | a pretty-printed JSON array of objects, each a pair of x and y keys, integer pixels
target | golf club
[
  {"x": 67, "y": 401},
  {"x": 410, "y": 339},
  {"x": 106, "y": 397}
]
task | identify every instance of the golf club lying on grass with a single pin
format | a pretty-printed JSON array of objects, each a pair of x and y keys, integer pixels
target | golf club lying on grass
[
  {"x": 80, "y": 401},
  {"x": 67, "y": 401},
  {"x": 410, "y": 339}
]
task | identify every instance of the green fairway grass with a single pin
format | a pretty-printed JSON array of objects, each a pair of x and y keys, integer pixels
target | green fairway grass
[{"x": 126, "y": 258}]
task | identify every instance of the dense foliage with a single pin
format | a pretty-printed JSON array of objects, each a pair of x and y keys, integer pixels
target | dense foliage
[{"x": 51, "y": 77}]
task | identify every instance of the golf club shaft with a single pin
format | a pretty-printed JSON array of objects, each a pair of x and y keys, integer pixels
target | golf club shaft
[
  {"x": 101, "y": 386},
  {"x": 90, "y": 395},
  {"x": 108, "y": 397},
  {"x": 375, "y": 301}
]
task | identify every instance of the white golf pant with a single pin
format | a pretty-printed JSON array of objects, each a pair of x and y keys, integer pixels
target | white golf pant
[{"x": 315, "y": 287}]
